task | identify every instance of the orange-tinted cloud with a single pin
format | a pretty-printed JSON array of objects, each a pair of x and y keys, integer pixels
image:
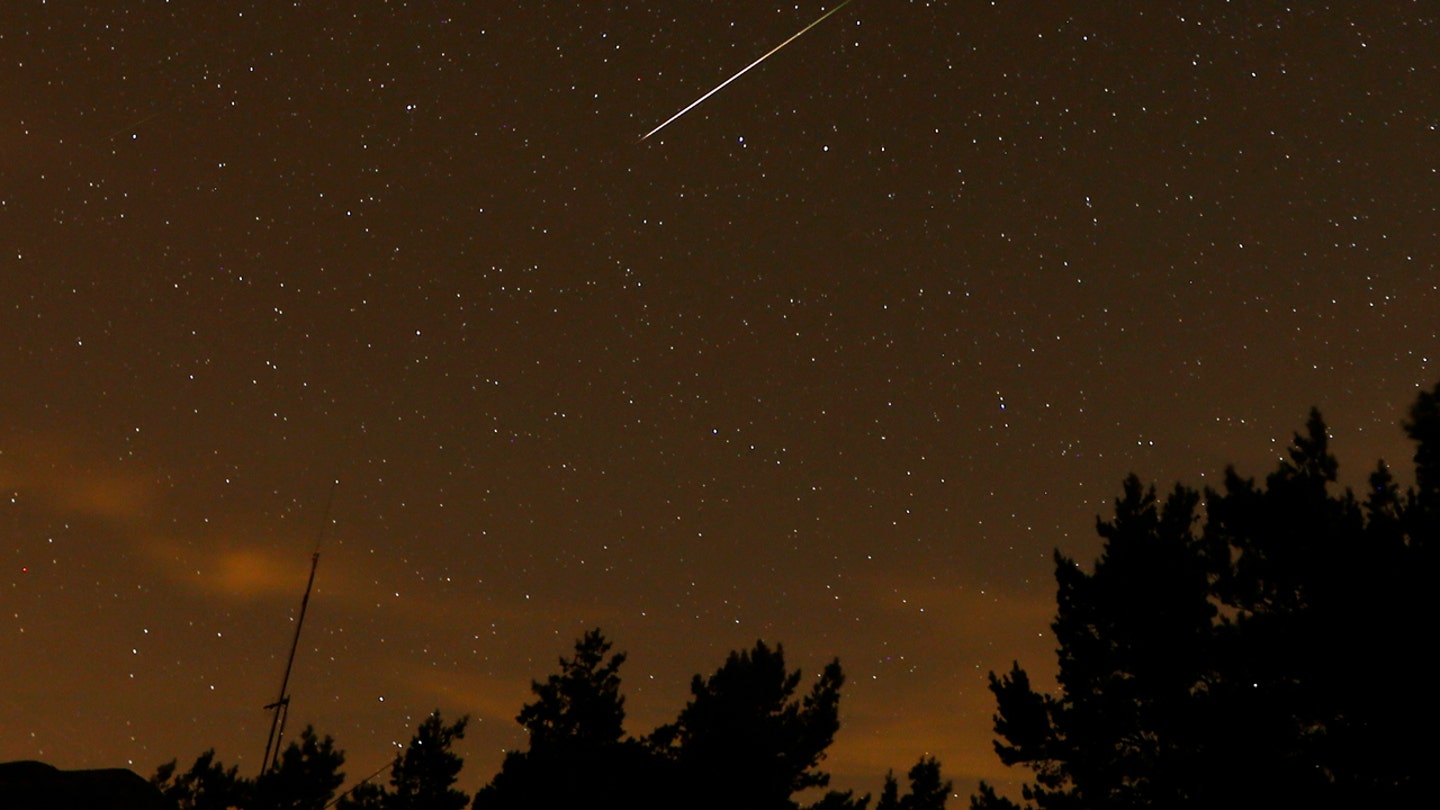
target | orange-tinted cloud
[{"x": 61, "y": 476}]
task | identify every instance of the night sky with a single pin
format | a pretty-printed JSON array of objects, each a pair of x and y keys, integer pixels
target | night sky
[{"x": 835, "y": 360}]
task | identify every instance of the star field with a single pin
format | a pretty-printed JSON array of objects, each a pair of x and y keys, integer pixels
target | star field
[{"x": 835, "y": 360}]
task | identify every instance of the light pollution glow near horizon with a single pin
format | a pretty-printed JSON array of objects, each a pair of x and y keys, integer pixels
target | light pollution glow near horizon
[{"x": 835, "y": 360}]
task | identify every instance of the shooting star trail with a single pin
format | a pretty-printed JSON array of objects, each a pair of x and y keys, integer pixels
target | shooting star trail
[{"x": 721, "y": 86}]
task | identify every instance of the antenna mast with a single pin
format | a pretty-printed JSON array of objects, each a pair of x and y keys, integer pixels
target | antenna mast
[{"x": 280, "y": 709}]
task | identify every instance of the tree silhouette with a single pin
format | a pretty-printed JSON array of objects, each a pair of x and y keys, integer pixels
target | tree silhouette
[
  {"x": 927, "y": 791},
  {"x": 1249, "y": 665},
  {"x": 581, "y": 706},
  {"x": 838, "y": 800},
  {"x": 745, "y": 739},
  {"x": 578, "y": 752},
  {"x": 306, "y": 777},
  {"x": 422, "y": 778},
  {"x": 1423, "y": 427},
  {"x": 208, "y": 785},
  {"x": 1326, "y": 597},
  {"x": 742, "y": 741}
]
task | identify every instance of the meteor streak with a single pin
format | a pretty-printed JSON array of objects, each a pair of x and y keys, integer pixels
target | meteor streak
[{"x": 721, "y": 86}]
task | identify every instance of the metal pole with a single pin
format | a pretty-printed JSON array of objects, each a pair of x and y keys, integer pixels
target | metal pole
[{"x": 282, "y": 704}]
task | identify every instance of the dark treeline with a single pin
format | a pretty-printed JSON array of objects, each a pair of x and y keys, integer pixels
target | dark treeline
[
  {"x": 1259, "y": 645},
  {"x": 745, "y": 739},
  {"x": 1253, "y": 646}
]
